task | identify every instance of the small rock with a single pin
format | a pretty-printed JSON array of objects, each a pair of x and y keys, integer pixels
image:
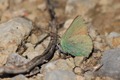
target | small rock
[
  {"x": 111, "y": 64},
  {"x": 18, "y": 1},
  {"x": 13, "y": 32},
  {"x": 3, "y": 59},
  {"x": 16, "y": 60},
  {"x": 20, "y": 12},
  {"x": 113, "y": 39},
  {"x": 42, "y": 6},
  {"x": 98, "y": 39},
  {"x": 4, "y": 4},
  {"x": 97, "y": 54},
  {"x": 78, "y": 60},
  {"x": 48, "y": 67},
  {"x": 39, "y": 48},
  {"x": 57, "y": 55},
  {"x": 46, "y": 42},
  {"x": 78, "y": 77},
  {"x": 97, "y": 78},
  {"x": 6, "y": 16},
  {"x": 98, "y": 45},
  {"x": 5, "y": 78},
  {"x": 79, "y": 7},
  {"x": 19, "y": 77},
  {"x": 77, "y": 70},
  {"x": 66, "y": 25},
  {"x": 69, "y": 9},
  {"x": 113, "y": 34},
  {"x": 33, "y": 39},
  {"x": 30, "y": 52},
  {"x": 93, "y": 34},
  {"x": 29, "y": 45},
  {"x": 60, "y": 75},
  {"x": 88, "y": 75},
  {"x": 31, "y": 16},
  {"x": 105, "y": 2},
  {"x": 37, "y": 77},
  {"x": 60, "y": 64},
  {"x": 103, "y": 78},
  {"x": 70, "y": 62},
  {"x": 31, "y": 55}
]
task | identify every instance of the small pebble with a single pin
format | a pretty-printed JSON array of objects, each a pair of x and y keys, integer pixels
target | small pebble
[
  {"x": 70, "y": 62},
  {"x": 78, "y": 60},
  {"x": 77, "y": 70},
  {"x": 88, "y": 75},
  {"x": 19, "y": 77},
  {"x": 111, "y": 64},
  {"x": 66, "y": 25},
  {"x": 113, "y": 39},
  {"x": 42, "y": 6},
  {"x": 78, "y": 77},
  {"x": 60, "y": 75},
  {"x": 33, "y": 39},
  {"x": 16, "y": 60},
  {"x": 60, "y": 64}
]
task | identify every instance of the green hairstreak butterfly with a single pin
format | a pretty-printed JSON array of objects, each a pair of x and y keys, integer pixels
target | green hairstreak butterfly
[{"x": 76, "y": 40}]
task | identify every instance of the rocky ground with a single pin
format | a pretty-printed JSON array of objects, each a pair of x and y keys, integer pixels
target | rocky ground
[{"x": 23, "y": 23}]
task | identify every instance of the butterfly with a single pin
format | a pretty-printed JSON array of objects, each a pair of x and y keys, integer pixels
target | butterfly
[{"x": 76, "y": 40}]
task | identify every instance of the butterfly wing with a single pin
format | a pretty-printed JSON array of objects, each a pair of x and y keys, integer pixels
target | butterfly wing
[{"x": 76, "y": 40}]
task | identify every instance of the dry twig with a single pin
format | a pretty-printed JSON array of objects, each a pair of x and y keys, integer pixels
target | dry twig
[{"x": 41, "y": 59}]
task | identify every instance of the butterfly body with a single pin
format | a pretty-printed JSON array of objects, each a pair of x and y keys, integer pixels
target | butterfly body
[{"x": 76, "y": 40}]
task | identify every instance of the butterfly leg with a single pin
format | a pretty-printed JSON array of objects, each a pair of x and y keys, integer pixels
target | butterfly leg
[{"x": 91, "y": 69}]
